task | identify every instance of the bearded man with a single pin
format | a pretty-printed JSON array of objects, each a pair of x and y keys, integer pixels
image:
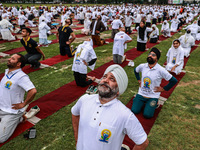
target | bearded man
[
  {"x": 101, "y": 121},
  {"x": 150, "y": 89},
  {"x": 13, "y": 86}
]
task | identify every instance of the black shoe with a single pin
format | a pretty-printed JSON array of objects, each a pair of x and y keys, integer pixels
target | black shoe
[{"x": 37, "y": 66}]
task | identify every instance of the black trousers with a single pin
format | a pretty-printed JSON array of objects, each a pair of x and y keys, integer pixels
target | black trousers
[
  {"x": 154, "y": 21},
  {"x": 141, "y": 46},
  {"x": 159, "y": 20},
  {"x": 153, "y": 40},
  {"x": 128, "y": 29},
  {"x": 81, "y": 79},
  {"x": 66, "y": 50},
  {"x": 33, "y": 59}
]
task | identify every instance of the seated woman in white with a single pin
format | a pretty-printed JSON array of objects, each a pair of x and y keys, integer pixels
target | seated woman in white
[
  {"x": 165, "y": 29},
  {"x": 174, "y": 24},
  {"x": 175, "y": 58},
  {"x": 86, "y": 29},
  {"x": 154, "y": 34},
  {"x": 194, "y": 29},
  {"x": 5, "y": 27},
  {"x": 187, "y": 41}
]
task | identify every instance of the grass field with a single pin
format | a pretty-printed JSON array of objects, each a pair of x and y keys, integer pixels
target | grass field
[{"x": 176, "y": 128}]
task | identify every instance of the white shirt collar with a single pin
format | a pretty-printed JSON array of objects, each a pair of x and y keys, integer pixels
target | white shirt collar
[
  {"x": 155, "y": 67},
  {"x": 12, "y": 72},
  {"x": 108, "y": 103}
]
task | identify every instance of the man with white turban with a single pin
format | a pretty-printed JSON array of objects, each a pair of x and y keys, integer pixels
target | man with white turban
[
  {"x": 187, "y": 41},
  {"x": 150, "y": 89},
  {"x": 175, "y": 58},
  {"x": 101, "y": 121}
]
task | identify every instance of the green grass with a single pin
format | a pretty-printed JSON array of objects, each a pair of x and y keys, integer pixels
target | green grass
[{"x": 177, "y": 126}]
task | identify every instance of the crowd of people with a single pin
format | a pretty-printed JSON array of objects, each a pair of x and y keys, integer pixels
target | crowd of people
[{"x": 100, "y": 121}]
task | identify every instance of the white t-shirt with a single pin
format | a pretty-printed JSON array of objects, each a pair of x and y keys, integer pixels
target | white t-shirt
[
  {"x": 84, "y": 52},
  {"x": 103, "y": 126},
  {"x": 116, "y": 24},
  {"x": 149, "y": 17},
  {"x": 151, "y": 78},
  {"x": 128, "y": 21},
  {"x": 118, "y": 45},
  {"x": 12, "y": 89}
]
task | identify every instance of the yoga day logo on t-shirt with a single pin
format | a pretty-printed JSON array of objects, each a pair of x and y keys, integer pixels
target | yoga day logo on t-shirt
[
  {"x": 105, "y": 135},
  {"x": 78, "y": 56},
  {"x": 8, "y": 84},
  {"x": 147, "y": 82},
  {"x": 174, "y": 60}
]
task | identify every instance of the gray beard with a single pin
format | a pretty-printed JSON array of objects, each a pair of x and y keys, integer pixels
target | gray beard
[{"x": 107, "y": 92}]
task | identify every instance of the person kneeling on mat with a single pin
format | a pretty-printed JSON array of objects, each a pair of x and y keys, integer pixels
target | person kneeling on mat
[
  {"x": 150, "y": 89},
  {"x": 84, "y": 56}
]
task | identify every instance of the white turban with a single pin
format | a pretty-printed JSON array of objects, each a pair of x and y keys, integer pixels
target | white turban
[{"x": 120, "y": 76}]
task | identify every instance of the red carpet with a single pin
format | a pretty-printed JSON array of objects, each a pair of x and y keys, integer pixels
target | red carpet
[{"x": 55, "y": 100}]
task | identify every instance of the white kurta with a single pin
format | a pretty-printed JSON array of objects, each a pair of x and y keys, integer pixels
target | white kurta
[
  {"x": 174, "y": 25},
  {"x": 43, "y": 29},
  {"x": 166, "y": 30},
  {"x": 175, "y": 56},
  {"x": 86, "y": 29},
  {"x": 187, "y": 41},
  {"x": 5, "y": 32}
]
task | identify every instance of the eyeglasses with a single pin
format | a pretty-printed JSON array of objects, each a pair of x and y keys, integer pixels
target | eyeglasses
[{"x": 152, "y": 54}]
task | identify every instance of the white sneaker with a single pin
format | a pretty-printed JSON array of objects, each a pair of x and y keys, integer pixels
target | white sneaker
[
  {"x": 129, "y": 64},
  {"x": 32, "y": 112},
  {"x": 132, "y": 64}
]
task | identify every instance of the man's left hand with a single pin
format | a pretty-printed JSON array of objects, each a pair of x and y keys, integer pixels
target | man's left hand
[
  {"x": 18, "y": 106},
  {"x": 158, "y": 89}
]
